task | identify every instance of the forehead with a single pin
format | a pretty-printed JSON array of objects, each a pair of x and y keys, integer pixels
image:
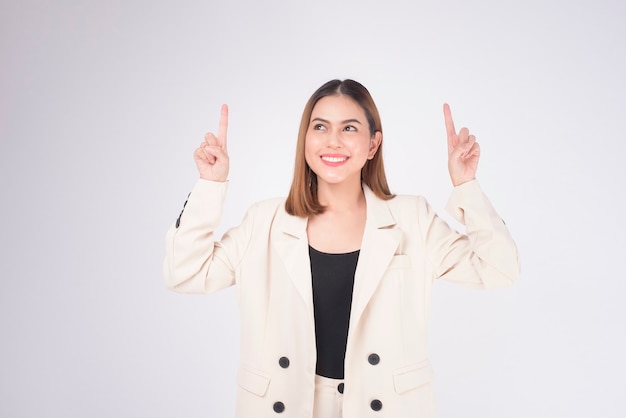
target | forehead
[{"x": 337, "y": 107}]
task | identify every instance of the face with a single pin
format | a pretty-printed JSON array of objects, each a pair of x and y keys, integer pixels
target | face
[{"x": 338, "y": 141}]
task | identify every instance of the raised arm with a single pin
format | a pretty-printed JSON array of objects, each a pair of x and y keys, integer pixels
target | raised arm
[
  {"x": 195, "y": 262},
  {"x": 485, "y": 256}
]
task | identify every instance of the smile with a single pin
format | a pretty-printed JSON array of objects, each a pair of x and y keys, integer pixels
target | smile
[{"x": 333, "y": 159}]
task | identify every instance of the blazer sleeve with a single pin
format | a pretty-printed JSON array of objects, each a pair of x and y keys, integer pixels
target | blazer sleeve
[
  {"x": 486, "y": 256},
  {"x": 194, "y": 261}
]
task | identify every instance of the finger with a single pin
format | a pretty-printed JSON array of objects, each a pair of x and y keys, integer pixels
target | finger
[
  {"x": 198, "y": 154},
  {"x": 216, "y": 153},
  {"x": 203, "y": 150},
  {"x": 463, "y": 149},
  {"x": 210, "y": 139},
  {"x": 201, "y": 155},
  {"x": 210, "y": 158},
  {"x": 223, "y": 128},
  {"x": 474, "y": 151},
  {"x": 464, "y": 135},
  {"x": 459, "y": 152},
  {"x": 450, "y": 130},
  {"x": 467, "y": 144}
]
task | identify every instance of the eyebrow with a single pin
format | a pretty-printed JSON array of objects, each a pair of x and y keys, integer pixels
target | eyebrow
[{"x": 342, "y": 122}]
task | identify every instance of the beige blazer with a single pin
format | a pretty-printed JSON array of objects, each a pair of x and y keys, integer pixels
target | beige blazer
[{"x": 405, "y": 247}]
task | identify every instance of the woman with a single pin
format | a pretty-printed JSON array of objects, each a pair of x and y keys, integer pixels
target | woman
[{"x": 334, "y": 281}]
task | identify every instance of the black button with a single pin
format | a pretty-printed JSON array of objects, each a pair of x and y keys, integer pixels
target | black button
[
  {"x": 284, "y": 362},
  {"x": 373, "y": 359},
  {"x": 376, "y": 405},
  {"x": 340, "y": 388},
  {"x": 279, "y": 407}
]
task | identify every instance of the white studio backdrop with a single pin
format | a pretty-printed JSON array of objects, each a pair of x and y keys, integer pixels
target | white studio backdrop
[{"x": 103, "y": 103}]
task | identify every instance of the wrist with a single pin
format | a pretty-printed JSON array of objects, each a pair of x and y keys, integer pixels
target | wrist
[{"x": 458, "y": 182}]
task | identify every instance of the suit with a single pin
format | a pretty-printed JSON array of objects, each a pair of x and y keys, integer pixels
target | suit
[{"x": 405, "y": 247}]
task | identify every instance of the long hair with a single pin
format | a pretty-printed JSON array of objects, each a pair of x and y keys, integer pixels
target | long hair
[{"x": 302, "y": 199}]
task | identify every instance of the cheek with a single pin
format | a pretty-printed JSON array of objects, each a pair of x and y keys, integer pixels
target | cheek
[
  {"x": 360, "y": 145},
  {"x": 312, "y": 142}
]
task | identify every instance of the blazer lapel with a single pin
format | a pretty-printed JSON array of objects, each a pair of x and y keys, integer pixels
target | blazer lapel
[
  {"x": 292, "y": 246},
  {"x": 379, "y": 245}
]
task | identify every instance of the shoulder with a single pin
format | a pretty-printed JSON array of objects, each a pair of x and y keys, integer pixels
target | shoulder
[
  {"x": 269, "y": 217},
  {"x": 410, "y": 203},
  {"x": 397, "y": 202},
  {"x": 400, "y": 209},
  {"x": 269, "y": 206},
  {"x": 410, "y": 210},
  {"x": 272, "y": 204}
]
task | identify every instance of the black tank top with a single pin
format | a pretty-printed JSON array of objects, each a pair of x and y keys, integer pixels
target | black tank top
[{"x": 333, "y": 280}]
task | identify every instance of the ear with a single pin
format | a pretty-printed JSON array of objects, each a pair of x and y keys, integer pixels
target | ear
[{"x": 375, "y": 144}]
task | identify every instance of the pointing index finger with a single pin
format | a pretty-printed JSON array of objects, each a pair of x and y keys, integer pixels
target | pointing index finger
[
  {"x": 223, "y": 128},
  {"x": 450, "y": 130}
]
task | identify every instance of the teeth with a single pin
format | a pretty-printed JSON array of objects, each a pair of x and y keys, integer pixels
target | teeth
[{"x": 334, "y": 159}]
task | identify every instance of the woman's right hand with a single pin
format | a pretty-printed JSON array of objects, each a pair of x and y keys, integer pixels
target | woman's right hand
[{"x": 212, "y": 155}]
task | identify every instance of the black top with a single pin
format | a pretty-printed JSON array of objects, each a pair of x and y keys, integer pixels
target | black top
[{"x": 333, "y": 280}]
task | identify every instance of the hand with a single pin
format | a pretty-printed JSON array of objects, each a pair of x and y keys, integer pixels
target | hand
[
  {"x": 212, "y": 155},
  {"x": 463, "y": 151}
]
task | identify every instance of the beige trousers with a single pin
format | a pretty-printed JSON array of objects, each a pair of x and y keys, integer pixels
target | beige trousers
[{"x": 328, "y": 401}]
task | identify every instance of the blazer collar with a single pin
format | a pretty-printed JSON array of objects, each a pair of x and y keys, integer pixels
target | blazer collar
[
  {"x": 380, "y": 241},
  {"x": 378, "y": 216},
  {"x": 378, "y": 213}
]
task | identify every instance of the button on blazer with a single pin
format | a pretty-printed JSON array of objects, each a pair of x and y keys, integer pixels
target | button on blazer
[{"x": 405, "y": 247}]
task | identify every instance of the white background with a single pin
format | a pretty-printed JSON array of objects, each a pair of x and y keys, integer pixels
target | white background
[{"x": 101, "y": 107}]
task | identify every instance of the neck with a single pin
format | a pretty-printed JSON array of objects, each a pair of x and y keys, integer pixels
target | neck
[{"x": 345, "y": 196}]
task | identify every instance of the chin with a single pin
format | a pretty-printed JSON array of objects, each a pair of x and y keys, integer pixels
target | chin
[{"x": 334, "y": 181}]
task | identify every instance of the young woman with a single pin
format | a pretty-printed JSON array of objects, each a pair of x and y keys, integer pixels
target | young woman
[{"x": 334, "y": 281}]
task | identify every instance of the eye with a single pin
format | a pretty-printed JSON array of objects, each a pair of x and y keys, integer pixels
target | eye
[
  {"x": 350, "y": 128},
  {"x": 318, "y": 127}
]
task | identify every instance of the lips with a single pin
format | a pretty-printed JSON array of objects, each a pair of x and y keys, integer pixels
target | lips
[{"x": 334, "y": 159}]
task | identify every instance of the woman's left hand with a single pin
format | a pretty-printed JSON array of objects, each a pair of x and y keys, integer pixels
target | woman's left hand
[{"x": 463, "y": 151}]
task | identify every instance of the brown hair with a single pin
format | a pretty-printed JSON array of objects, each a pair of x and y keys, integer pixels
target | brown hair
[{"x": 302, "y": 200}]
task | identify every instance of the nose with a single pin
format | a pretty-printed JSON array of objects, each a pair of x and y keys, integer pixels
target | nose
[{"x": 334, "y": 139}]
